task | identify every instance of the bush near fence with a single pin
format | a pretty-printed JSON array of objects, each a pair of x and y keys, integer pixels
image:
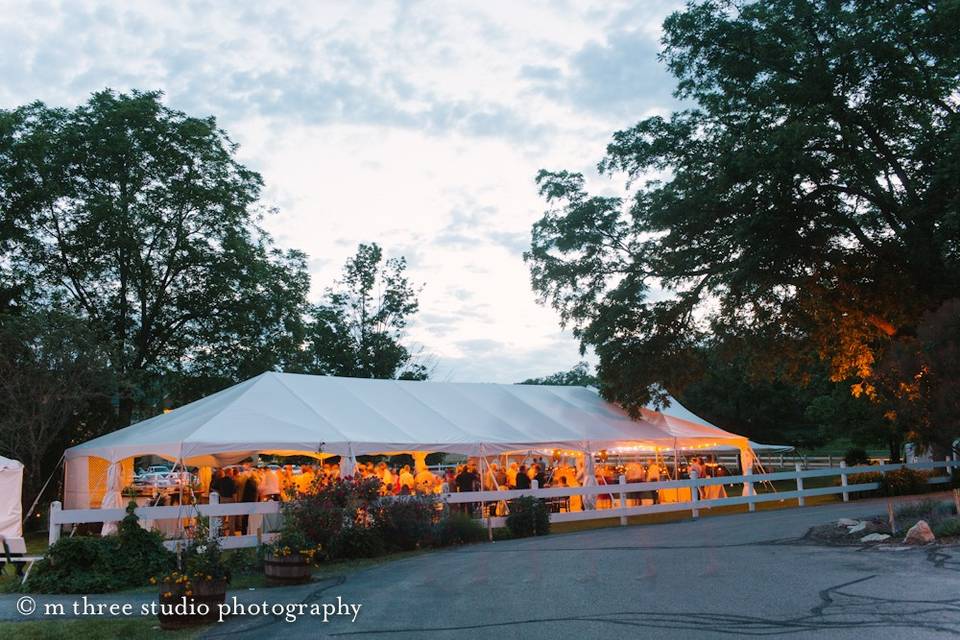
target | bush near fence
[{"x": 94, "y": 564}]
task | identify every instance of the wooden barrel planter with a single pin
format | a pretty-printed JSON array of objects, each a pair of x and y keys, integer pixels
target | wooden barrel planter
[
  {"x": 282, "y": 570},
  {"x": 189, "y": 614}
]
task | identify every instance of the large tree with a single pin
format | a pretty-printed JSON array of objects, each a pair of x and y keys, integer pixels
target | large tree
[
  {"x": 55, "y": 388},
  {"x": 140, "y": 218},
  {"x": 357, "y": 330},
  {"x": 806, "y": 202}
]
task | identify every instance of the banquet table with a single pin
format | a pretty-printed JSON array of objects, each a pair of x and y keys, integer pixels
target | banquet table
[
  {"x": 712, "y": 492},
  {"x": 680, "y": 494}
]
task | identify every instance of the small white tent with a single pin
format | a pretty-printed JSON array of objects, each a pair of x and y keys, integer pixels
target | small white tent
[
  {"x": 11, "y": 511},
  {"x": 290, "y": 414}
]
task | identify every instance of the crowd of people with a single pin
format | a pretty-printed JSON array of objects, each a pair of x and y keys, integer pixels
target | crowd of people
[{"x": 246, "y": 483}]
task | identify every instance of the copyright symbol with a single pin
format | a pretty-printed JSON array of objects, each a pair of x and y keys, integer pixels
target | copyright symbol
[{"x": 26, "y": 605}]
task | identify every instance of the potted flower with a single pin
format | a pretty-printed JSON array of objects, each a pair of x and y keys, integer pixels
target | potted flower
[
  {"x": 190, "y": 595},
  {"x": 289, "y": 559}
]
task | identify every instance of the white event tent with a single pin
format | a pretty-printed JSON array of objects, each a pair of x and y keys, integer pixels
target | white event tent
[
  {"x": 292, "y": 414},
  {"x": 11, "y": 512}
]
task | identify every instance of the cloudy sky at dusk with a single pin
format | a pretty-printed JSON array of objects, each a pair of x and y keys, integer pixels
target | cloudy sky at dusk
[{"x": 417, "y": 125}]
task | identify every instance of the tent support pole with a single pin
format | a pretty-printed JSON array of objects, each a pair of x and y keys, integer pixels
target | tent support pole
[
  {"x": 676, "y": 461},
  {"x": 42, "y": 489}
]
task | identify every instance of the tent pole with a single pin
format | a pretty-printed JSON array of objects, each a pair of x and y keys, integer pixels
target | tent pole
[
  {"x": 42, "y": 489},
  {"x": 676, "y": 461}
]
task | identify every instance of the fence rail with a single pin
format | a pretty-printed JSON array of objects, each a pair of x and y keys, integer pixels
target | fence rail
[{"x": 619, "y": 493}]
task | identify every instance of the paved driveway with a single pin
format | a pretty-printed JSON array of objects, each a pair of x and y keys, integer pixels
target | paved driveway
[{"x": 724, "y": 577}]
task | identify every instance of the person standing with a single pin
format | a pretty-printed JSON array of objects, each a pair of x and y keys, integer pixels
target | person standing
[
  {"x": 270, "y": 488},
  {"x": 250, "y": 494},
  {"x": 406, "y": 479},
  {"x": 523, "y": 478},
  {"x": 512, "y": 475},
  {"x": 226, "y": 488}
]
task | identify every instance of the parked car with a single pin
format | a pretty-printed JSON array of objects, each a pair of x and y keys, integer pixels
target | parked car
[
  {"x": 159, "y": 468},
  {"x": 155, "y": 478}
]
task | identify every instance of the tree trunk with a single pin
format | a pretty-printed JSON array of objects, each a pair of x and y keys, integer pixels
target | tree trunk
[
  {"x": 125, "y": 411},
  {"x": 894, "y": 443}
]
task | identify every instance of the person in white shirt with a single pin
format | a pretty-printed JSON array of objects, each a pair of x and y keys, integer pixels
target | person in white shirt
[{"x": 270, "y": 485}]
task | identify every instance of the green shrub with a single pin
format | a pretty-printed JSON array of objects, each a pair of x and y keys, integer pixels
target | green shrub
[
  {"x": 862, "y": 478},
  {"x": 81, "y": 564},
  {"x": 528, "y": 517},
  {"x": 903, "y": 482},
  {"x": 142, "y": 553},
  {"x": 502, "y": 533},
  {"x": 855, "y": 457},
  {"x": 406, "y": 523},
  {"x": 926, "y": 509},
  {"x": 948, "y": 528},
  {"x": 93, "y": 564},
  {"x": 458, "y": 528},
  {"x": 243, "y": 561},
  {"x": 352, "y": 542},
  {"x": 325, "y": 509}
]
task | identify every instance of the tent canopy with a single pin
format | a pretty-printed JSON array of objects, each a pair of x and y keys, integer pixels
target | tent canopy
[{"x": 295, "y": 414}]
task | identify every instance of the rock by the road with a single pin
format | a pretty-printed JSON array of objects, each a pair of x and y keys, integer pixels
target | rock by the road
[
  {"x": 919, "y": 533},
  {"x": 875, "y": 537},
  {"x": 860, "y": 526},
  {"x": 847, "y": 522}
]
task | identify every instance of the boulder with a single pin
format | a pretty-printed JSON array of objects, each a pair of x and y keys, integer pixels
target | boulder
[
  {"x": 875, "y": 537},
  {"x": 920, "y": 533},
  {"x": 860, "y": 526},
  {"x": 846, "y": 522}
]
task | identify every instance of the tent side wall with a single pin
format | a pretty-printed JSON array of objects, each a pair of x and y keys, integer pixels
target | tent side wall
[
  {"x": 11, "y": 510},
  {"x": 85, "y": 480}
]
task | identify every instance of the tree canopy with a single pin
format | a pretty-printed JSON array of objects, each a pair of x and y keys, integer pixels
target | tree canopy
[
  {"x": 357, "y": 330},
  {"x": 805, "y": 202},
  {"x": 138, "y": 220},
  {"x": 578, "y": 376}
]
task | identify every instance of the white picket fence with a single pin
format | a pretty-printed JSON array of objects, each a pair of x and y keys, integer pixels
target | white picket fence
[
  {"x": 60, "y": 517},
  {"x": 771, "y": 461},
  {"x": 745, "y": 485}
]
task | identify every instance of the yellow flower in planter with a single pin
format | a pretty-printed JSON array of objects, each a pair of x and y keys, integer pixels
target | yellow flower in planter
[
  {"x": 153, "y": 580},
  {"x": 209, "y": 577},
  {"x": 189, "y": 593}
]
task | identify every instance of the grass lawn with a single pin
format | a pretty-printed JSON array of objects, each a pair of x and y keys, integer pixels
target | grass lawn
[
  {"x": 36, "y": 546},
  {"x": 93, "y": 629}
]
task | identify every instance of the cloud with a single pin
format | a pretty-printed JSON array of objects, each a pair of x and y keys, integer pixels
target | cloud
[
  {"x": 418, "y": 126},
  {"x": 619, "y": 76}
]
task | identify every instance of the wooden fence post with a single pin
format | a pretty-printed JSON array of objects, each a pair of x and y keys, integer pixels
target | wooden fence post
[
  {"x": 214, "y": 520},
  {"x": 55, "y": 508},
  {"x": 623, "y": 501},
  {"x": 694, "y": 494},
  {"x": 843, "y": 480},
  {"x": 800, "y": 500},
  {"x": 748, "y": 490}
]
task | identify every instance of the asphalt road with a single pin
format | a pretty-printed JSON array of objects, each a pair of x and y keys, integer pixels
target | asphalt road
[
  {"x": 725, "y": 577},
  {"x": 734, "y": 576}
]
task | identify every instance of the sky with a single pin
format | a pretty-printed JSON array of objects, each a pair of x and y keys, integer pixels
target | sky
[{"x": 416, "y": 125}]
